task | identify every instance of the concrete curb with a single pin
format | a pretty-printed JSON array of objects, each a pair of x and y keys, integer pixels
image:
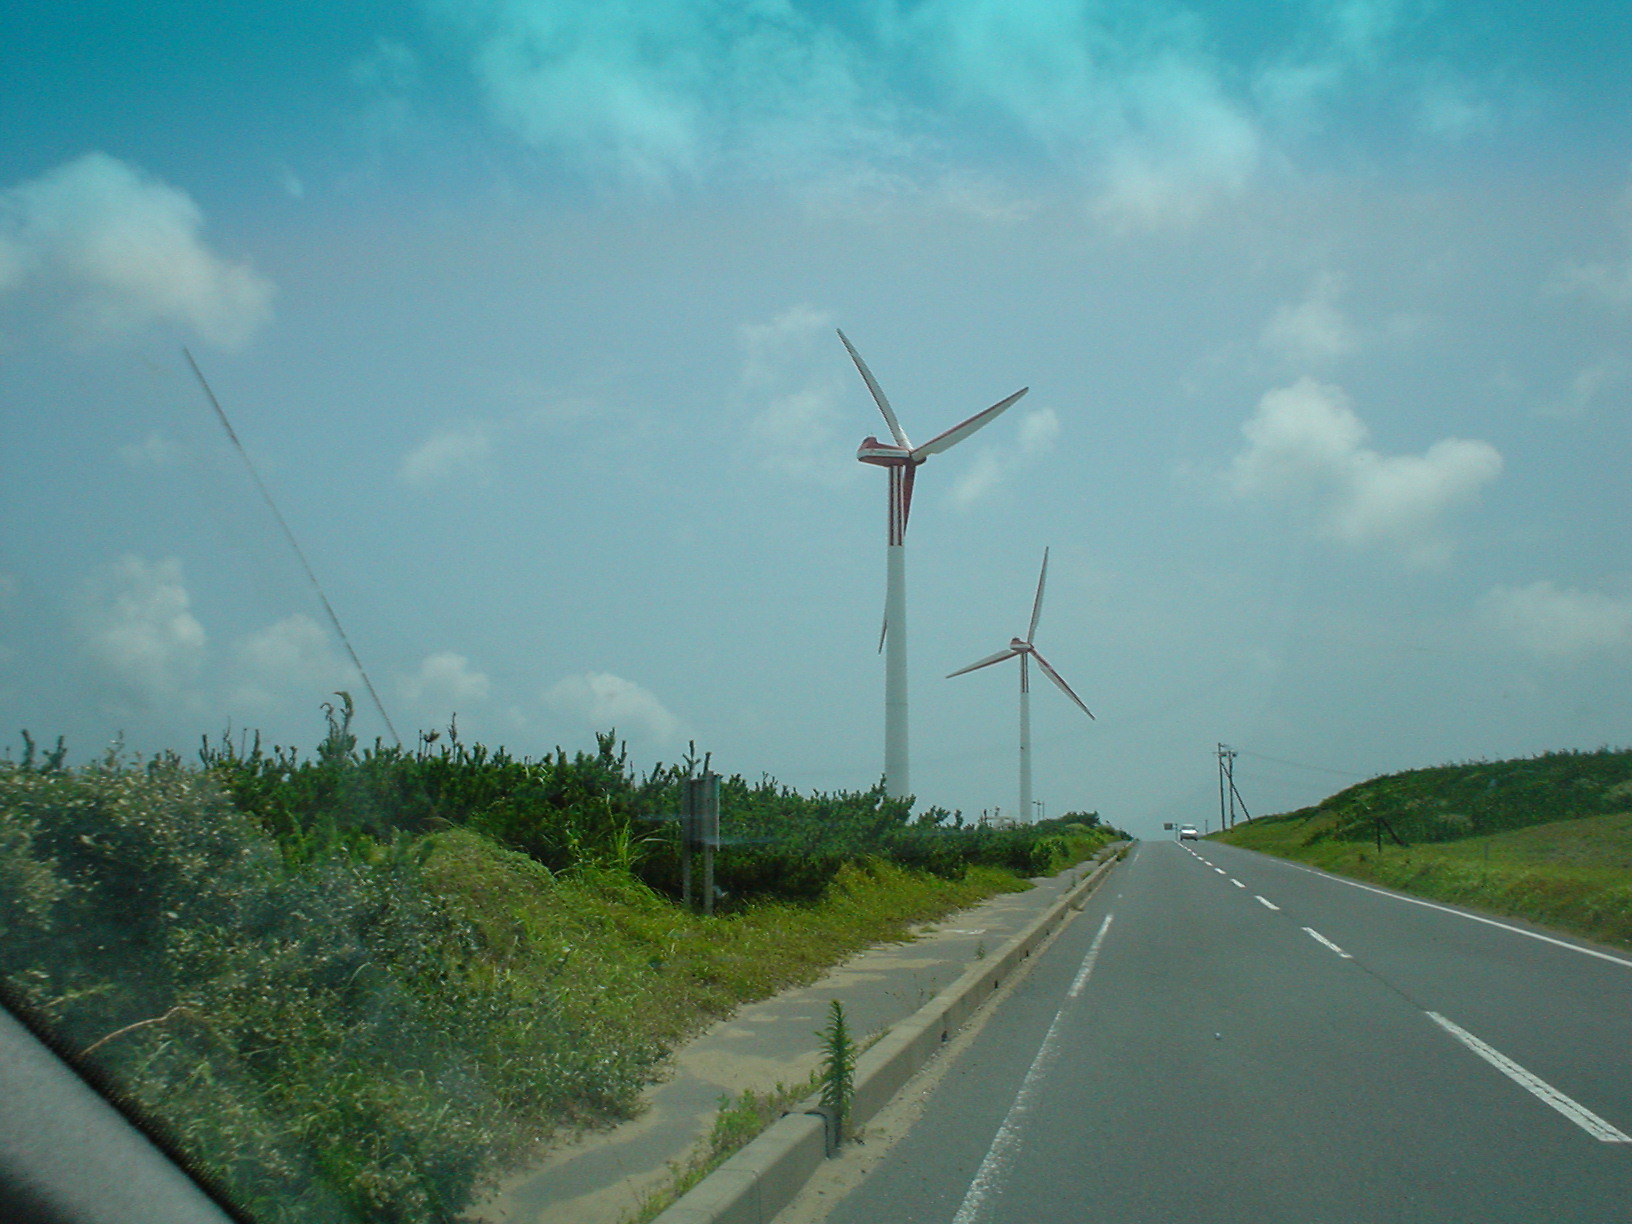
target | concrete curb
[{"x": 763, "y": 1178}]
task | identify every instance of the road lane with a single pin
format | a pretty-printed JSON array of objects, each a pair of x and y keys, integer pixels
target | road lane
[
  {"x": 1219, "y": 1064},
  {"x": 1565, "y": 1015}
]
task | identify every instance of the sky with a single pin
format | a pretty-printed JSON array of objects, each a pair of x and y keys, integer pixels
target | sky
[{"x": 525, "y": 313}]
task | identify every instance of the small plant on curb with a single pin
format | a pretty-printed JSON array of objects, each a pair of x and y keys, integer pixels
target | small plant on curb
[
  {"x": 739, "y": 1122},
  {"x": 837, "y": 1070}
]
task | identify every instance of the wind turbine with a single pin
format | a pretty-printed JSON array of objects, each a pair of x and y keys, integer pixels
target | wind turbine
[
  {"x": 901, "y": 459},
  {"x": 1024, "y": 648}
]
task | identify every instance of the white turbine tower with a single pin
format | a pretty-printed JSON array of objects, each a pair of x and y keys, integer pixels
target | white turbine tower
[
  {"x": 1024, "y": 648},
  {"x": 902, "y": 460}
]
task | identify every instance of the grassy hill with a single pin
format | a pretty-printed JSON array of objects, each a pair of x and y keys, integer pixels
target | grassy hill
[{"x": 1547, "y": 838}]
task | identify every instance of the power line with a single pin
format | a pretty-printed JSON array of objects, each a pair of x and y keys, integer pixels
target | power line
[
  {"x": 1341, "y": 773},
  {"x": 294, "y": 544}
]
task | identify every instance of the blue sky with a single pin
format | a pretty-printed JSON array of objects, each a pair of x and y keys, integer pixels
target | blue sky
[{"x": 526, "y": 312}]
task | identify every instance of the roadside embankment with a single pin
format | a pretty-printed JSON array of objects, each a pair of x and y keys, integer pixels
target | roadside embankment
[
  {"x": 759, "y": 1181},
  {"x": 1545, "y": 840}
]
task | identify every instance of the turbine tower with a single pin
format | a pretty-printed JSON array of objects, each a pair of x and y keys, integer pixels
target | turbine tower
[
  {"x": 901, "y": 459},
  {"x": 1024, "y": 648}
]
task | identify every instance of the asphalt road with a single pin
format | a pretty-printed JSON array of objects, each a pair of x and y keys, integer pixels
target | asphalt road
[{"x": 1222, "y": 1036}]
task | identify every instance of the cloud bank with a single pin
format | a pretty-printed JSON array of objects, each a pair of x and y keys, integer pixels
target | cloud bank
[
  {"x": 1313, "y": 331},
  {"x": 1139, "y": 104},
  {"x": 1305, "y": 443},
  {"x": 136, "y": 628},
  {"x": 995, "y": 465},
  {"x": 292, "y": 660},
  {"x": 793, "y": 375},
  {"x": 457, "y": 455},
  {"x": 1560, "y": 624},
  {"x": 117, "y": 250},
  {"x": 602, "y": 701},
  {"x": 447, "y": 681}
]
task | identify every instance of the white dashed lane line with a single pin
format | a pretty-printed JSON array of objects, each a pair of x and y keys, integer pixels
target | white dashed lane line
[
  {"x": 1573, "y": 1110},
  {"x": 1319, "y": 938},
  {"x": 1598, "y": 1128}
]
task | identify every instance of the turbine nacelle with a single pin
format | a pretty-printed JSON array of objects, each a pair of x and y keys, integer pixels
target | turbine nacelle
[{"x": 883, "y": 454}]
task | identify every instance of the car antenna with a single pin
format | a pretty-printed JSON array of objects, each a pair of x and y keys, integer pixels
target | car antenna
[{"x": 294, "y": 544}]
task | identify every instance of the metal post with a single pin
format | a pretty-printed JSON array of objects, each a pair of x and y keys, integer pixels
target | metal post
[
  {"x": 688, "y": 838},
  {"x": 709, "y": 822}
]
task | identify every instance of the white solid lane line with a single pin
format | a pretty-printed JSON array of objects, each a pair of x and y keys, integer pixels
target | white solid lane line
[
  {"x": 1319, "y": 938},
  {"x": 988, "y": 1180},
  {"x": 1269, "y": 905},
  {"x": 1573, "y": 1110},
  {"x": 1088, "y": 961},
  {"x": 1383, "y": 892}
]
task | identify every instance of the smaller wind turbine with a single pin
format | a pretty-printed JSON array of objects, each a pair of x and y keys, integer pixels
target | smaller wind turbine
[{"x": 1024, "y": 648}]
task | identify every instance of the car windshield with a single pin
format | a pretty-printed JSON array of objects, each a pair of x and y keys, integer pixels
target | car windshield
[{"x": 429, "y": 458}]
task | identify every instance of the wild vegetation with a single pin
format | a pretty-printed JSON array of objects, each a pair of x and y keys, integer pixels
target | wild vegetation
[
  {"x": 1546, "y": 838},
  {"x": 350, "y": 986}
]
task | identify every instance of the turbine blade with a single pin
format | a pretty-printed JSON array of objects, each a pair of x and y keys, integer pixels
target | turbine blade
[
  {"x": 1064, "y": 687},
  {"x": 958, "y": 433},
  {"x": 883, "y": 631},
  {"x": 878, "y": 395},
  {"x": 1037, "y": 604},
  {"x": 1006, "y": 653},
  {"x": 907, "y": 478}
]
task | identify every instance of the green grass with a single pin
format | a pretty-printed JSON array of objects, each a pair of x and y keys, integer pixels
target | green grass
[
  {"x": 1541, "y": 859},
  {"x": 646, "y": 972},
  {"x": 371, "y": 1030}
]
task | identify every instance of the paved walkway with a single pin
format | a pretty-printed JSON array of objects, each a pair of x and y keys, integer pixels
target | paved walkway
[{"x": 603, "y": 1178}]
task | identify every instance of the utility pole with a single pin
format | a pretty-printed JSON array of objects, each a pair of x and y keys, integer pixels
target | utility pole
[
  {"x": 1042, "y": 809},
  {"x": 1226, "y": 786}
]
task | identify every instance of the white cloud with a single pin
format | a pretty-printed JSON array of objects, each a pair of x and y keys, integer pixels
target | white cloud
[
  {"x": 1138, "y": 107},
  {"x": 455, "y": 455},
  {"x": 603, "y": 702},
  {"x": 1608, "y": 280},
  {"x": 1590, "y": 386},
  {"x": 993, "y": 465},
  {"x": 1305, "y": 442},
  {"x": 136, "y": 627},
  {"x": 293, "y": 658},
  {"x": 386, "y": 79},
  {"x": 1183, "y": 146},
  {"x": 1342, "y": 42},
  {"x": 445, "y": 680},
  {"x": 1452, "y": 110},
  {"x": 120, "y": 250},
  {"x": 154, "y": 451},
  {"x": 1313, "y": 331},
  {"x": 659, "y": 92},
  {"x": 793, "y": 374},
  {"x": 1561, "y": 624}
]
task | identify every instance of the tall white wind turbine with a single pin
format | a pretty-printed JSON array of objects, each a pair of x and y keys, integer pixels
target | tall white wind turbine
[
  {"x": 901, "y": 460},
  {"x": 1024, "y": 648}
]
